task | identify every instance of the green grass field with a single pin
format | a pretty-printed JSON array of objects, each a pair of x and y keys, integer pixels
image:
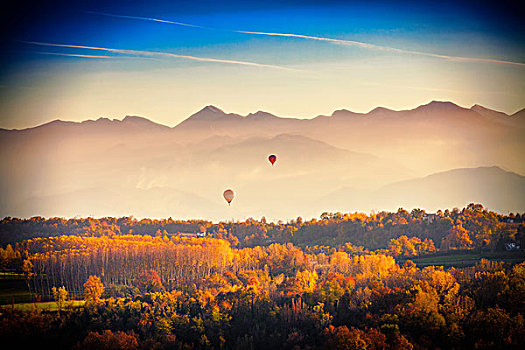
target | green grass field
[
  {"x": 13, "y": 288},
  {"x": 45, "y": 306}
]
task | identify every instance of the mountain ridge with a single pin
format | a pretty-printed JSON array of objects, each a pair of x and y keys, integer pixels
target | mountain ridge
[
  {"x": 212, "y": 113},
  {"x": 130, "y": 121},
  {"x": 493, "y": 186},
  {"x": 488, "y": 112}
]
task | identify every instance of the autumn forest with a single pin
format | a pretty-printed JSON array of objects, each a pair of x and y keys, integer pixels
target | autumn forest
[
  {"x": 262, "y": 175},
  {"x": 389, "y": 280}
]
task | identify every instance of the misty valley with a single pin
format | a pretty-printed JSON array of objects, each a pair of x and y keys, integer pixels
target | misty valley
[
  {"x": 384, "y": 230},
  {"x": 438, "y": 155}
]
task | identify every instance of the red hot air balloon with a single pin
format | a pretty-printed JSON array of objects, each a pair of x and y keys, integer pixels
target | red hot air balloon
[
  {"x": 228, "y": 195},
  {"x": 272, "y": 158}
]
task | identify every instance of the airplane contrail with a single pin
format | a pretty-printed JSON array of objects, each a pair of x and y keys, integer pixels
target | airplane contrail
[
  {"x": 145, "y": 19},
  {"x": 334, "y": 41},
  {"x": 162, "y": 54},
  {"x": 384, "y": 48},
  {"x": 82, "y": 56}
]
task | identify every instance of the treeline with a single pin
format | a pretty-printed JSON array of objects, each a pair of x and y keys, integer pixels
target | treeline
[
  {"x": 69, "y": 260},
  {"x": 119, "y": 261},
  {"x": 473, "y": 227},
  {"x": 145, "y": 292}
]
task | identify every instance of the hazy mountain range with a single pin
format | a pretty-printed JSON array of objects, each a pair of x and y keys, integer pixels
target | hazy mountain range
[{"x": 348, "y": 161}]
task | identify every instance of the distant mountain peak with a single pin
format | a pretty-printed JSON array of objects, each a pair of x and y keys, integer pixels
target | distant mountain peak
[
  {"x": 487, "y": 112},
  {"x": 380, "y": 110},
  {"x": 343, "y": 113},
  {"x": 131, "y": 118},
  {"x": 55, "y": 122},
  {"x": 212, "y": 109},
  {"x": 440, "y": 104},
  {"x": 135, "y": 119},
  {"x": 141, "y": 122},
  {"x": 98, "y": 121},
  {"x": 210, "y": 114},
  {"x": 261, "y": 115},
  {"x": 476, "y": 106}
]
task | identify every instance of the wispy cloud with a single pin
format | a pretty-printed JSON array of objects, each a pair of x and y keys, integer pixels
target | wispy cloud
[
  {"x": 144, "y": 19},
  {"x": 141, "y": 53},
  {"x": 360, "y": 44},
  {"x": 384, "y": 48},
  {"x": 79, "y": 55}
]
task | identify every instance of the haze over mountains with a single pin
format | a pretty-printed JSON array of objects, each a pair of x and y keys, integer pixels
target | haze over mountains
[{"x": 348, "y": 161}]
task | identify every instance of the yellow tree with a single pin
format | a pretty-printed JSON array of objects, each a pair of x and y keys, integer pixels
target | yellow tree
[
  {"x": 93, "y": 289},
  {"x": 304, "y": 282},
  {"x": 458, "y": 237},
  {"x": 60, "y": 296}
]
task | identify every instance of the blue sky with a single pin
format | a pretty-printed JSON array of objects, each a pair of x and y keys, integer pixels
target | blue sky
[{"x": 354, "y": 55}]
